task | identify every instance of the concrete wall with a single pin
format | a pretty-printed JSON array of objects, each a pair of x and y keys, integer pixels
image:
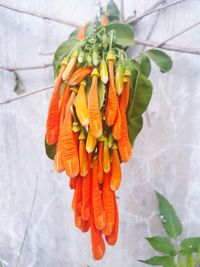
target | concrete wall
[{"x": 166, "y": 154}]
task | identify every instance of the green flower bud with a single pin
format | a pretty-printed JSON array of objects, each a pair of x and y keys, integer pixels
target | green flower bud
[
  {"x": 103, "y": 71},
  {"x": 119, "y": 78},
  {"x": 81, "y": 57},
  {"x": 95, "y": 58}
]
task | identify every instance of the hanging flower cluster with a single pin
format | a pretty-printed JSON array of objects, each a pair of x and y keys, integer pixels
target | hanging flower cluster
[
  {"x": 87, "y": 121},
  {"x": 94, "y": 116}
]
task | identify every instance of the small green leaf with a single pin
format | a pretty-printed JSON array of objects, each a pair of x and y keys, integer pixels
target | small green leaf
[
  {"x": 162, "y": 60},
  {"x": 165, "y": 261},
  {"x": 141, "y": 96},
  {"x": 74, "y": 34},
  {"x": 162, "y": 244},
  {"x": 190, "y": 244},
  {"x": 62, "y": 52},
  {"x": 101, "y": 93},
  {"x": 50, "y": 150},
  {"x": 145, "y": 65},
  {"x": 170, "y": 221},
  {"x": 124, "y": 33},
  {"x": 113, "y": 11},
  {"x": 134, "y": 127}
]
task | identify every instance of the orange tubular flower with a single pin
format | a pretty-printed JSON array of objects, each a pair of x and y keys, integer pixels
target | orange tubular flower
[
  {"x": 106, "y": 157},
  {"x": 116, "y": 128},
  {"x": 112, "y": 238},
  {"x": 72, "y": 182},
  {"x": 109, "y": 205},
  {"x": 79, "y": 75},
  {"x": 105, "y": 20},
  {"x": 68, "y": 144},
  {"x": 100, "y": 161},
  {"x": 124, "y": 145},
  {"x": 83, "y": 158},
  {"x": 58, "y": 164},
  {"x": 112, "y": 103},
  {"x": 82, "y": 32},
  {"x": 97, "y": 204},
  {"x": 98, "y": 245},
  {"x": 52, "y": 124},
  {"x": 116, "y": 175},
  {"x": 77, "y": 200},
  {"x": 81, "y": 106},
  {"x": 95, "y": 119},
  {"x": 86, "y": 193}
]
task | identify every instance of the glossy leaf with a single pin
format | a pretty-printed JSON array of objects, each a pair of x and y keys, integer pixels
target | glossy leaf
[
  {"x": 62, "y": 51},
  {"x": 50, "y": 150},
  {"x": 141, "y": 96},
  {"x": 134, "y": 127},
  {"x": 113, "y": 11},
  {"x": 169, "y": 219},
  {"x": 135, "y": 65},
  {"x": 191, "y": 244},
  {"x": 145, "y": 65},
  {"x": 165, "y": 261},
  {"x": 162, "y": 244},
  {"x": 162, "y": 60},
  {"x": 124, "y": 33}
]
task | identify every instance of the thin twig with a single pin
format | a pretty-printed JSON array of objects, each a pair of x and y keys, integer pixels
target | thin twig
[
  {"x": 26, "y": 94},
  {"x": 122, "y": 10},
  {"x": 26, "y": 68},
  {"x": 179, "y": 33},
  {"x": 28, "y": 223},
  {"x": 46, "y": 53},
  {"x": 168, "y": 47},
  {"x": 155, "y": 5},
  {"x": 40, "y": 15},
  {"x": 146, "y": 13},
  {"x": 163, "y": 43}
]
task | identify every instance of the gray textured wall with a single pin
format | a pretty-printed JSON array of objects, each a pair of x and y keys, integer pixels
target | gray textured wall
[{"x": 166, "y": 154}]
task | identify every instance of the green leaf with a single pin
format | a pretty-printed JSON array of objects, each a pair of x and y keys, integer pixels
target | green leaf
[
  {"x": 190, "y": 244},
  {"x": 162, "y": 60},
  {"x": 170, "y": 221},
  {"x": 165, "y": 261},
  {"x": 135, "y": 65},
  {"x": 50, "y": 150},
  {"x": 134, "y": 127},
  {"x": 101, "y": 93},
  {"x": 113, "y": 11},
  {"x": 124, "y": 33},
  {"x": 145, "y": 65},
  {"x": 62, "y": 52},
  {"x": 141, "y": 96},
  {"x": 74, "y": 34},
  {"x": 162, "y": 244}
]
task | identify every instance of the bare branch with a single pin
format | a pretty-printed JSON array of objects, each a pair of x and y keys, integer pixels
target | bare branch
[
  {"x": 169, "y": 47},
  {"x": 26, "y": 68},
  {"x": 26, "y": 94},
  {"x": 46, "y": 53},
  {"x": 155, "y": 5},
  {"x": 122, "y": 10},
  {"x": 40, "y": 15},
  {"x": 179, "y": 33},
  {"x": 151, "y": 11}
]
